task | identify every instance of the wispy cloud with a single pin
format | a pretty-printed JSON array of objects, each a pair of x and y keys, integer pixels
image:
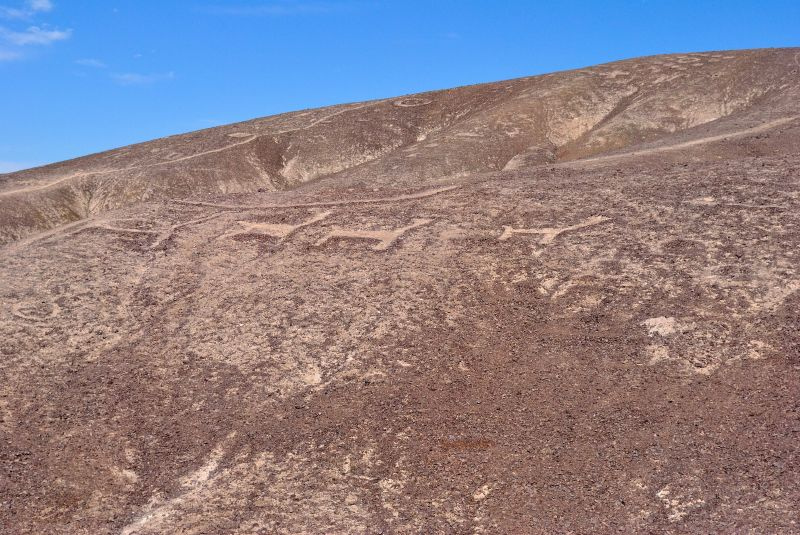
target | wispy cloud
[
  {"x": 34, "y": 35},
  {"x": 9, "y": 55},
  {"x": 133, "y": 78},
  {"x": 40, "y": 5},
  {"x": 91, "y": 62},
  {"x": 13, "y": 41},
  {"x": 279, "y": 8},
  {"x": 13, "y": 13},
  {"x": 28, "y": 10}
]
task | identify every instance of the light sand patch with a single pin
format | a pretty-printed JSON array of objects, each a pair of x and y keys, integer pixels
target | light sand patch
[
  {"x": 277, "y": 230},
  {"x": 202, "y": 474},
  {"x": 657, "y": 354},
  {"x": 757, "y": 349},
  {"x": 312, "y": 376},
  {"x": 548, "y": 234},
  {"x": 41, "y": 311},
  {"x": 482, "y": 493},
  {"x": 516, "y": 162},
  {"x": 386, "y": 238},
  {"x": 678, "y": 505},
  {"x": 704, "y": 201},
  {"x": 661, "y": 326},
  {"x": 411, "y": 102},
  {"x": 128, "y": 476}
]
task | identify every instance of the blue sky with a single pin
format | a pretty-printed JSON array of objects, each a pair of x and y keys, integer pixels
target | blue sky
[{"x": 81, "y": 77}]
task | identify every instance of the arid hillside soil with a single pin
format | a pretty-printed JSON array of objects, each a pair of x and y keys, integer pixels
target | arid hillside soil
[
  {"x": 560, "y": 304},
  {"x": 418, "y": 138}
]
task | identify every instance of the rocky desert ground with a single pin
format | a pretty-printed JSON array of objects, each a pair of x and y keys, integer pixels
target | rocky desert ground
[{"x": 558, "y": 304}]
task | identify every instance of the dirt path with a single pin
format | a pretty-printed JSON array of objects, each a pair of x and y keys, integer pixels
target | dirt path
[
  {"x": 686, "y": 144},
  {"x": 406, "y": 197},
  {"x": 28, "y": 189},
  {"x": 21, "y": 244}
]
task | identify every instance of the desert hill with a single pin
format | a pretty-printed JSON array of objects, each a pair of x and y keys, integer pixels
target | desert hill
[
  {"x": 419, "y": 138},
  {"x": 565, "y": 303}
]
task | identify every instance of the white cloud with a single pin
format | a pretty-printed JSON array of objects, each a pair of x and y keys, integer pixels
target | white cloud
[
  {"x": 13, "y": 13},
  {"x": 40, "y": 5},
  {"x": 14, "y": 40},
  {"x": 133, "y": 78},
  {"x": 8, "y": 55},
  {"x": 29, "y": 10},
  {"x": 91, "y": 62},
  {"x": 34, "y": 35}
]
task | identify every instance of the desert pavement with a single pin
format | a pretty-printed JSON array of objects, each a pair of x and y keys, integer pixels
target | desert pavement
[{"x": 564, "y": 303}]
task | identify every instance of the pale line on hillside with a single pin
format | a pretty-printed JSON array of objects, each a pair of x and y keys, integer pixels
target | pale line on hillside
[
  {"x": 107, "y": 171},
  {"x": 183, "y": 158},
  {"x": 164, "y": 235},
  {"x": 124, "y": 230},
  {"x": 692, "y": 143},
  {"x": 167, "y": 234},
  {"x": 405, "y": 197},
  {"x": 75, "y": 225},
  {"x": 87, "y": 224},
  {"x": 193, "y": 484}
]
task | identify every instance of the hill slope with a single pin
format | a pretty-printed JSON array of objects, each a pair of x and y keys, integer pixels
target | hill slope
[
  {"x": 423, "y": 137},
  {"x": 559, "y": 304}
]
